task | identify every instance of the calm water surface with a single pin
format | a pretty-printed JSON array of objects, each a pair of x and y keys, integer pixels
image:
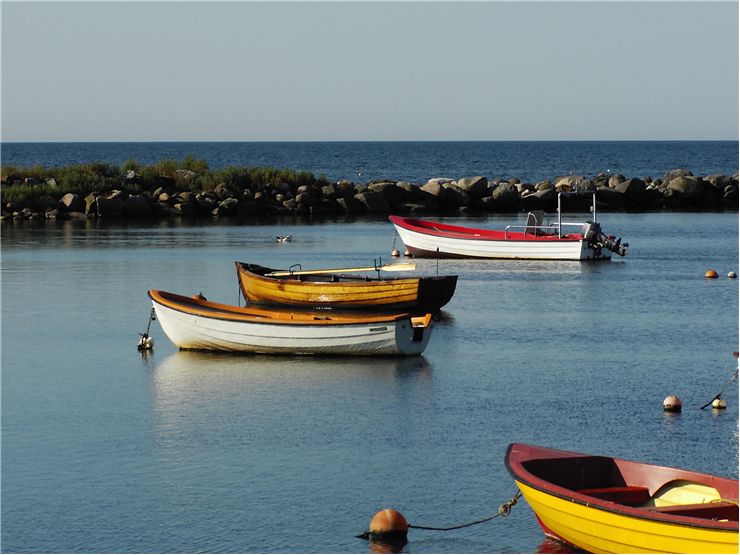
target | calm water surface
[{"x": 104, "y": 450}]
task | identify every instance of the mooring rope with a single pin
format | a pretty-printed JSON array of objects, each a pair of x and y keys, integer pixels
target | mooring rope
[
  {"x": 503, "y": 510},
  {"x": 732, "y": 379}
]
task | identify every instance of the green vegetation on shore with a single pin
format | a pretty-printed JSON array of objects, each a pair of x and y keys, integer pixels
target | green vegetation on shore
[{"x": 22, "y": 185}]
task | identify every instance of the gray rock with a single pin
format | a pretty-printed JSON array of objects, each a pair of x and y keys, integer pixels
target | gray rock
[
  {"x": 73, "y": 203},
  {"x": 455, "y": 197},
  {"x": 185, "y": 208},
  {"x": 392, "y": 192},
  {"x": 434, "y": 188},
  {"x": 476, "y": 187},
  {"x": 573, "y": 183},
  {"x": 351, "y": 205},
  {"x": 633, "y": 190},
  {"x": 690, "y": 188},
  {"x": 505, "y": 196},
  {"x": 137, "y": 206},
  {"x": 673, "y": 174},
  {"x": 544, "y": 186},
  {"x": 375, "y": 202},
  {"x": 109, "y": 207}
]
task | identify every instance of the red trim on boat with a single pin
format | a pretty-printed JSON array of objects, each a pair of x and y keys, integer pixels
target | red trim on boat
[{"x": 438, "y": 229}]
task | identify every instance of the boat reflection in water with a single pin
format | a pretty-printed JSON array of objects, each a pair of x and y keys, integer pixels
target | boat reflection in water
[{"x": 189, "y": 380}]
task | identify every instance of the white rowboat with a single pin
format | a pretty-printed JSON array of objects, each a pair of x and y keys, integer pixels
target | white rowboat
[{"x": 193, "y": 323}]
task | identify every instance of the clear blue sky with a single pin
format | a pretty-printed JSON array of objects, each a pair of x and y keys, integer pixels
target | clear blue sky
[{"x": 139, "y": 71}]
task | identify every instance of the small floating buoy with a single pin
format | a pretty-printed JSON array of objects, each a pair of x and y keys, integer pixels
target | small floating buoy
[
  {"x": 732, "y": 275},
  {"x": 395, "y": 253},
  {"x": 406, "y": 253},
  {"x": 711, "y": 274},
  {"x": 146, "y": 343},
  {"x": 719, "y": 404},
  {"x": 672, "y": 404},
  {"x": 283, "y": 238},
  {"x": 388, "y": 525}
]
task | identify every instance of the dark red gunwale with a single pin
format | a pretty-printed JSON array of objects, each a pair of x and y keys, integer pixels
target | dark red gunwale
[
  {"x": 427, "y": 227},
  {"x": 532, "y": 452},
  {"x": 171, "y": 301}
]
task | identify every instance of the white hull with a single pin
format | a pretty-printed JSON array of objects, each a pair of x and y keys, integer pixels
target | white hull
[
  {"x": 420, "y": 244},
  {"x": 197, "y": 332}
]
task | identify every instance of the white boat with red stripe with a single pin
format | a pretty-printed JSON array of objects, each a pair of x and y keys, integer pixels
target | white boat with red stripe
[{"x": 531, "y": 241}]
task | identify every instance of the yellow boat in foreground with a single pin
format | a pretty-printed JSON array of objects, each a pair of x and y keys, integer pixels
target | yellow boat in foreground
[{"x": 609, "y": 505}]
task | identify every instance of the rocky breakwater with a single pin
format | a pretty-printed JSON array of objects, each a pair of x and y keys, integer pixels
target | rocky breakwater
[{"x": 678, "y": 189}]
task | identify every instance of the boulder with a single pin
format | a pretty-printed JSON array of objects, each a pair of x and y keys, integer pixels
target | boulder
[
  {"x": 351, "y": 205},
  {"x": 73, "y": 203},
  {"x": 673, "y": 174},
  {"x": 612, "y": 197},
  {"x": 688, "y": 187},
  {"x": 374, "y": 202},
  {"x": 505, "y": 196},
  {"x": 633, "y": 190},
  {"x": 185, "y": 208},
  {"x": 434, "y": 188},
  {"x": 573, "y": 183},
  {"x": 91, "y": 204},
  {"x": 476, "y": 187},
  {"x": 455, "y": 197},
  {"x": 392, "y": 192},
  {"x": 137, "y": 206},
  {"x": 109, "y": 207},
  {"x": 544, "y": 186}
]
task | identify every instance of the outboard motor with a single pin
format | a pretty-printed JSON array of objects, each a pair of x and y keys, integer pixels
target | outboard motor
[{"x": 596, "y": 238}]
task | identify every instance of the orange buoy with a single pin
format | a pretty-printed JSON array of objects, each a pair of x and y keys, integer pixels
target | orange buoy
[
  {"x": 711, "y": 274},
  {"x": 388, "y": 525},
  {"x": 395, "y": 253},
  {"x": 672, "y": 404}
]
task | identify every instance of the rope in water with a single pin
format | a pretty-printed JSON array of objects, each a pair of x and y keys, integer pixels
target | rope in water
[
  {"x": 503, "y": 510},
  {"x": 732, "y": 379}
]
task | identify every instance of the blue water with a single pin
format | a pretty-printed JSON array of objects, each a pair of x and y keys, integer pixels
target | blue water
[
  {"x": 104, "y": 450},
  {"x": 410, "y": 161}
]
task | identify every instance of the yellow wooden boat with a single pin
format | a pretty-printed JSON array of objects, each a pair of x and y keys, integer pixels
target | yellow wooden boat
[
  {"x": 335, "y": 289},
  {"x": 608, "y": 505}
]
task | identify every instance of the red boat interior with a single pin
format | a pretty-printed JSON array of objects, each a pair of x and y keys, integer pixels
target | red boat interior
[
  {"x": 437, "y": 228},
  {"x": 625, "y": 483}
]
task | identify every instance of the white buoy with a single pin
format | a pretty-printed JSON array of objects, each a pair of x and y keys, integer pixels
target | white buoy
[
  {"x": 407, "y": 254},
  {"x": 732, "y": 275},
  {"x": 146, "y": 343},
  {"x": 672, "y": 404},
  {"x": 719, "y": 404},
  {"x": 395, "y": 253}
]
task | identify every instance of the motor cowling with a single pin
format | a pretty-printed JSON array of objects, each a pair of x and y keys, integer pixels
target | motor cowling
[{"x": 597, "y": 239}]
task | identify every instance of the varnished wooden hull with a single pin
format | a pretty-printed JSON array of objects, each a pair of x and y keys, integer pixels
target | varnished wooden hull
[
  {"x": 196, "y": 324},
  {"x": 344, "y": 291},
  {"x": 609, "y": 505}
]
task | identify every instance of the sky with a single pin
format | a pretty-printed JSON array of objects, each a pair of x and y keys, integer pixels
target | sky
[{"x": 369, "y": 71}]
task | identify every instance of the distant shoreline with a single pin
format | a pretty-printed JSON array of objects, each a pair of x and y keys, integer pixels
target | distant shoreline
[{"x": 188, "y": 188}]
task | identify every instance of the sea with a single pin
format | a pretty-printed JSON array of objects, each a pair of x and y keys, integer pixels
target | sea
[
  {"x": 108, "y": 450},
  {"x": 407, "y": 161}
]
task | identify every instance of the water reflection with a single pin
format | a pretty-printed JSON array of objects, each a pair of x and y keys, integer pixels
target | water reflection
[
  {"x": 551, "y": 546},
  {"x": 186, "y": 374}
]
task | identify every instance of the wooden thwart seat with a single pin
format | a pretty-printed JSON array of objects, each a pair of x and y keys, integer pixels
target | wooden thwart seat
[
  {"x": 719, "y": 510},
  {"x": 624, "y": 495}
]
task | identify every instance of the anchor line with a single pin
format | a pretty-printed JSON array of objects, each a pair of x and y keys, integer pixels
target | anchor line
[
  {"x": 503, "y": 510},
  {"x": 732, "y": 379}
]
